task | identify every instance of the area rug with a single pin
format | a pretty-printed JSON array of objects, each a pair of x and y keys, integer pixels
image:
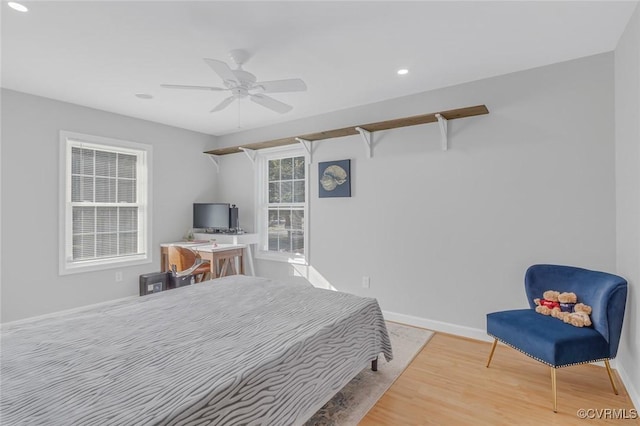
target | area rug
[{"x": 353, "y": 402}]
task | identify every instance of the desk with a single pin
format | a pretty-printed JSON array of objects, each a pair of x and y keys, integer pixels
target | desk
[
  {"x": 222, "y": 257},
  {"x": 248, "y": 239}
]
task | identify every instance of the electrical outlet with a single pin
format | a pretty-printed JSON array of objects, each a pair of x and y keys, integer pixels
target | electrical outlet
[
  {"x": 118, "y": 276},
  {"x": 366, "y": 282}
]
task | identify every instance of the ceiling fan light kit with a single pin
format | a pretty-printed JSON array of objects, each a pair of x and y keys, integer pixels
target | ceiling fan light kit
[{"x": 243, "y": 84}]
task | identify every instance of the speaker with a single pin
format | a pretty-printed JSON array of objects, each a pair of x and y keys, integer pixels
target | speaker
[{"x": 233, "y": 218}]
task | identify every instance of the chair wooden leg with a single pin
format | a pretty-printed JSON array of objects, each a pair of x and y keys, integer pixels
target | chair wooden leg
[
  {"x": 493, "y": 348},
  {"x": 554, "y": 390},
  {"x": 613, "y": 385}
]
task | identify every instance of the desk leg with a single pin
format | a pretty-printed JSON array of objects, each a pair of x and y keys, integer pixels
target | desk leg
[
  {"x": 164, "y": 259},
  {"x": 228, "y": 266},
  {"x": 232, "y": 265},
  {"x": 238, "y": 263},
  {"x": 215, "y": 270},
  {"x": 250, "y": 260},
  {"x": 213, "y": 264}
]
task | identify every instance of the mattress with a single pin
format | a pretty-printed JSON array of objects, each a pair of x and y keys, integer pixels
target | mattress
[{"x": 237, "y": 350}]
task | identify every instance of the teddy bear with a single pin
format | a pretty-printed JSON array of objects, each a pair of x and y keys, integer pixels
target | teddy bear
[
  {"x": 567, "y": 302},
  {"x": 580, "y": 316},
  {"x": 564, "y": 306},
  {"x": 548, "y": 303}
]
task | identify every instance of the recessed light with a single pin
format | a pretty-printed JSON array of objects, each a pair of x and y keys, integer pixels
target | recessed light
[
  {"x": 403, "y": 71},
  {"x": 144, "y": 96},
  {"x": 17, "y": 6}
]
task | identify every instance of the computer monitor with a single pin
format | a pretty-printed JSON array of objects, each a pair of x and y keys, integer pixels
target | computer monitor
[{"x": 214, "y": 216}]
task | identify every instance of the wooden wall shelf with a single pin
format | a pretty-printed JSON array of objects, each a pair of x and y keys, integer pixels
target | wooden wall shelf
[{"x": 452, "y": 114}]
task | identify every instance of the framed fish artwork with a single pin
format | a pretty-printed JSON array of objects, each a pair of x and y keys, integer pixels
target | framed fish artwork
[{"x": 334, "y": 179}]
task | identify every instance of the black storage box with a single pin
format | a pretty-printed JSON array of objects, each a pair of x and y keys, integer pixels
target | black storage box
[
  {"x": 175, "y": 282},
  {"x": 154, "y": 282}
]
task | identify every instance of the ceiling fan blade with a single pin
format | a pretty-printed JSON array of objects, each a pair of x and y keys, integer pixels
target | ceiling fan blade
[
  {"x": 222, "y": 69},
  {"x": 181, "y": 86},
  {"x": 271, "y": 103},
  {"x": 222, "y": 105},
  {"x": 291, "y": 85}
]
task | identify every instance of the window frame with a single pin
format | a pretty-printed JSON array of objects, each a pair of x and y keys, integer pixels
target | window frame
[
  {"x": 262, "y": 203},
  {"x": 69, "y": 140}
]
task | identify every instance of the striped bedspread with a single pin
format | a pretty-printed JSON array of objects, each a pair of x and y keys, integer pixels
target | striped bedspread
[{"x": 235, "y": 351}]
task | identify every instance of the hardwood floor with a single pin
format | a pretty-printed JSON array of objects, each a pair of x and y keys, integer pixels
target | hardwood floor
[{"x": 448, "y": 384}]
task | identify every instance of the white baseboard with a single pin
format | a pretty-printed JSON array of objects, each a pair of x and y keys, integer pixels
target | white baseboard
[
  {"x": 68, "y": 311},
  {"x": 443, "y": 327},
  {"x": 629, "y": 385}
]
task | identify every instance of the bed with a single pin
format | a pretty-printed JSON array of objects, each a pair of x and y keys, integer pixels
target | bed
[{"x": 237, "y": 350}]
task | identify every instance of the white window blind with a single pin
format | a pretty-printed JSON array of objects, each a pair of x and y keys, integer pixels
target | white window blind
[
  {"x": 282, "y": 196},
  {"x": 286, "y": 205},
  {"x": 105, "y": 204}
]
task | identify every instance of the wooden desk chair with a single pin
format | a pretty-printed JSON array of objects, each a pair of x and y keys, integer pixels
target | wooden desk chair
[{"x": 187, "y": 261}]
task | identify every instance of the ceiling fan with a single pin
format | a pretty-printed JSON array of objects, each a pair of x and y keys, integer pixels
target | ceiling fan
[{"x": 243, "y": 84}]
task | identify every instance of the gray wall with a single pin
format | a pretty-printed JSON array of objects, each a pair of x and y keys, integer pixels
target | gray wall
[
  {"x": 627, "y": 141},
  {"x": 446, "y": 236},
  {"x": 30, "y": 142}
]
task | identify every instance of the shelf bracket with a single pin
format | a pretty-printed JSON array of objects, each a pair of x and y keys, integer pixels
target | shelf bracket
[
  {"x": 367, "y": 137},
  {"x": 307, "y": 146},
  {"x": 250, "y": 153},
  {"x": 443, "y": 131},
  {"x": 215, "y": 159}
]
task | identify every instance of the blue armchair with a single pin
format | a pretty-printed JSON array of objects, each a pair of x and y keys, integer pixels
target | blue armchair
[{"x": 553, "y": 342}]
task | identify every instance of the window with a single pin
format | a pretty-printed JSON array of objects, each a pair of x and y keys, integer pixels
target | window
[
  {"x": 282, "y": 201},
  {"x": 104, "y": 203}
]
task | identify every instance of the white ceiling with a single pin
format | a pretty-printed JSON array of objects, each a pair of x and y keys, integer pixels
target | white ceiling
[{"x": 99, "y": 54}]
